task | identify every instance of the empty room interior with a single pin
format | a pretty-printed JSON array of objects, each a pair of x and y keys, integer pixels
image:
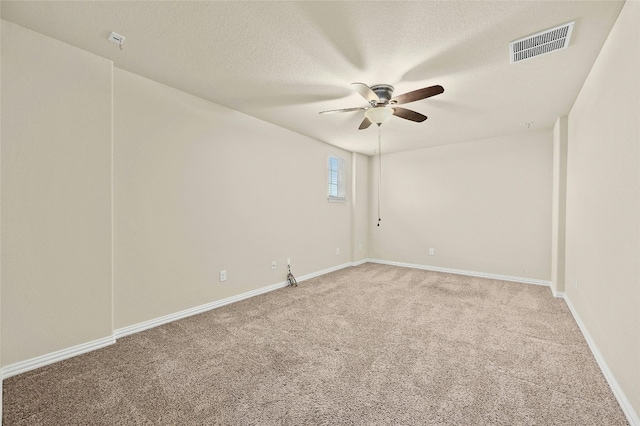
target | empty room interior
[{"x": 453, "y": 186}]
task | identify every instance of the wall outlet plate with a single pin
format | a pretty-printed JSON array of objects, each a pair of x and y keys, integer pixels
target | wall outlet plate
[{"x": 223, "y": 276}]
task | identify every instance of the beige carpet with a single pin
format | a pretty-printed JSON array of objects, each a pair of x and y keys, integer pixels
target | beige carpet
[{"x": 369, "y": 345}]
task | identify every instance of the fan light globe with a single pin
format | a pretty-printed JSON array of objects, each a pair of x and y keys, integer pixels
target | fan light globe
[{"x": 378, "y": 115}]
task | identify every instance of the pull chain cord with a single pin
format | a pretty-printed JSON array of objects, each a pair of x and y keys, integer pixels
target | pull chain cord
[{"x": 379, "y": 169}]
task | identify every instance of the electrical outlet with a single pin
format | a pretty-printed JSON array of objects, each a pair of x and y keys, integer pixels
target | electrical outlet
[
  {"x": 432, "y": 252},
  {"x": 338, "y": 251},
  {"x": 223, "y": 276},
  {"x": 273, "y": 264}
]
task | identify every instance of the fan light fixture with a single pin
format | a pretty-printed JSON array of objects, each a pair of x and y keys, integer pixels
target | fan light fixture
[
  {"x": 382, "y": 103},
  {"x": 378, "y": 115}
]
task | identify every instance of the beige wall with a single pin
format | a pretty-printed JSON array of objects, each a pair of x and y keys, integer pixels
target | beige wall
[
  {"x": 56, "y": 195},
  {"x": 360, "y": 207},
  {"x": 197, "y": 187},
  {"x": 603, "y": 203},
  {"x": 200, "y": 188},
  {"x": 484, "y": 206}
]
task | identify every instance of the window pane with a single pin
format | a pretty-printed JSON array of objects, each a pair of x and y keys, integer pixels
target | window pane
[{"x": 336, "y": 177}]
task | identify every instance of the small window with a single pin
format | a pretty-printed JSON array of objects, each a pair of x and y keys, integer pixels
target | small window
[{"x": 336, "y": 190}]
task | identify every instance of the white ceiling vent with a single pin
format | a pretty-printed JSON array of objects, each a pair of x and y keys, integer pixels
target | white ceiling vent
[{"x": 540, "y": 43}]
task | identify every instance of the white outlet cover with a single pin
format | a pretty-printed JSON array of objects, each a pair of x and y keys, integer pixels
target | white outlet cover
[{"x": 223, "y": 276}]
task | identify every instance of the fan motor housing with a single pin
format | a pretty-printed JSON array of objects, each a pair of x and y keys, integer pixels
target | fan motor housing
[{"x": 384, "y": 92}]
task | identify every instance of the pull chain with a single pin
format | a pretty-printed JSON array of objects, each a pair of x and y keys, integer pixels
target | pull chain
[{"x": 379, "y": 169}]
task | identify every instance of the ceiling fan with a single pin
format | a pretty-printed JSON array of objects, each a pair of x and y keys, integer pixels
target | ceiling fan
[{"x": 382, "y": 105}]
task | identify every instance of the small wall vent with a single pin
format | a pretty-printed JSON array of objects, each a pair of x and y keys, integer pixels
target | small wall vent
[{"x": 540, "y": 43}]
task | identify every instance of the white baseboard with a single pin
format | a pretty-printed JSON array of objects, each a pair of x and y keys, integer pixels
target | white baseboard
[
  {"x": 360, "y": 262},
  {"x": 622, "y": 399},
  {"x": 136, "y": 328},
  {"x": 41, "y": 361},
  {"x": 464, "y": 272},
  {"x": 145, "y": 325},
  {"x": 324, "y": 271},
  {"x": 625, "y": 404}
]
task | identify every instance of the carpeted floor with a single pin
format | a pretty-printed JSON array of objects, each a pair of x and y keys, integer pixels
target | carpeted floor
[{"x": 369, "y": 345}]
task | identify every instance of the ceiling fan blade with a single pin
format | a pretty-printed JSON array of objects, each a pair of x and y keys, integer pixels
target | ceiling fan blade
[
  {"x": 365, "y": 123},
  {"x": 416, "y": 95},
  {"x": 342, "y": 110},
  {"x": 366, "y": 92},
  {"x": 408, "y": 114}
]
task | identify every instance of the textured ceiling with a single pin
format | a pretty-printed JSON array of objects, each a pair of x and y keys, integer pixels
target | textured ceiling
[{"x": 283, "y": 62}]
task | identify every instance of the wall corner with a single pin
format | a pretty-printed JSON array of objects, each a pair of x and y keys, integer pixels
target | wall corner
[{"x": 558, "y": 221}]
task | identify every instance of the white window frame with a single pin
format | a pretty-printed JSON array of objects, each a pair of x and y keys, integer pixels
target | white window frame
[{"x": 336, "y": 179}]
